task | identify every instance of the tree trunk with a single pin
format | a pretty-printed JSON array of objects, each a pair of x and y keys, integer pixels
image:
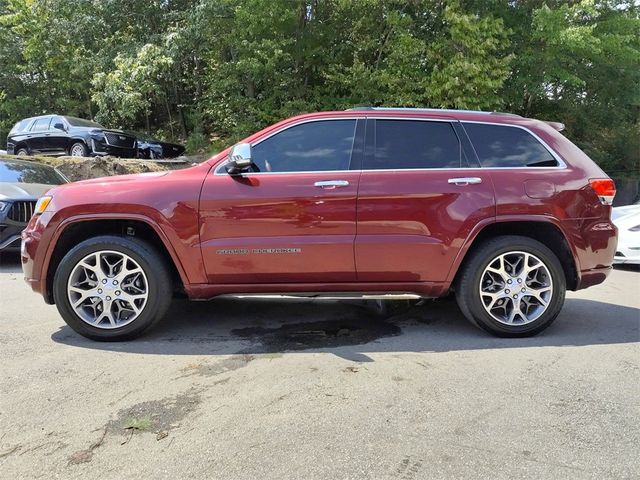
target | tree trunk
[{"x": 183, "y": 120}]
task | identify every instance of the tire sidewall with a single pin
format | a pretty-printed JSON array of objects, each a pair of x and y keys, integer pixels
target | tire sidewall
[
  {"x": 485, "y": 320},
  {"x": 155, "y": 301}
]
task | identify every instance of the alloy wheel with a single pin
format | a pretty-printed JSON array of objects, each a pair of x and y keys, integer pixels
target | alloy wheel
[
  {"x": 77, "y": 150},
  {"x": 516, "y": 288},
  {"x": 108, "y": 289}
]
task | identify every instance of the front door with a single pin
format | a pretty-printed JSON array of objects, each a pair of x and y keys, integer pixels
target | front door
[
  {"x": 419, "y": 197},
  {"x": 293, "y": 219},
  {"x": 56, "y": 139}
]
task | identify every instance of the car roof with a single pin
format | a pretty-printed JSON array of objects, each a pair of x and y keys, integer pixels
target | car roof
[
  {"x": 429, "y": 110},
  {"x": 477, "y": 116}
]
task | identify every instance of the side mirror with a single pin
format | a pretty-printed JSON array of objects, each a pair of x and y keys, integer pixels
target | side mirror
[
  {"x": 239, "y": 159},
  {"x": 59, "y": 126}
]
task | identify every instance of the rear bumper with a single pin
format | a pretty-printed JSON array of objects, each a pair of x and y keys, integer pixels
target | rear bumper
[
  {"x": 593, "y": 242},
  {"x": 589, "y": 278}
]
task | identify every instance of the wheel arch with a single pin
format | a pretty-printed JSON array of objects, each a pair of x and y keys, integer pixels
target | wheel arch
[
  {"x": 78, "y": 230},
  {"x": 544, "y": 230},
  {"x": 19, "y": 145},
  {"x": 76, "y": 139}
]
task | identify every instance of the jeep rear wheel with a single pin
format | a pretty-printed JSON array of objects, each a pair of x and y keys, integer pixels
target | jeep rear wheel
[
  {"x": 112, "y": 288},
  {"x": 512, "y": 286}
]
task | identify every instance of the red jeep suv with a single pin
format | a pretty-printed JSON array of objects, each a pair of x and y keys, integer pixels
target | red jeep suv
[{"x": 502, "y": 210}]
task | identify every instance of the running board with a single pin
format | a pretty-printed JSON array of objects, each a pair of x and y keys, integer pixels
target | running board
[{"x": 329, "y": 296}]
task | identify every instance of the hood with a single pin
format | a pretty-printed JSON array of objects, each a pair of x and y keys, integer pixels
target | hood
[
  {"x": 23, "y": 191},
  {"x": 627, "y": 221},
  {"x": 619, "y": 212},
  {"x": 118, "y": 178}
]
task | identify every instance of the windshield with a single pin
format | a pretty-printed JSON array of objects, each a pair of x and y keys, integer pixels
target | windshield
[
  {"x": 11, "y": 172},
  {"x": 81, "y": 122}
]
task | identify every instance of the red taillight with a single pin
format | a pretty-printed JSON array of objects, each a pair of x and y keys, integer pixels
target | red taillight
[{"x": 605, "y": 188}]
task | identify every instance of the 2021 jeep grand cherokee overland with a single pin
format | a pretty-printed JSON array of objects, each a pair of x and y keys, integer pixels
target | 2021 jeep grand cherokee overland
[{"x": 501, "y": 209}]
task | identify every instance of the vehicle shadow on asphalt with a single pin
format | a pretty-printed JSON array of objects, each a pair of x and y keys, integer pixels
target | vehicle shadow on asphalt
[
  {"x": 348, "y": 328},
  {"x": 10, "y": 262},
  {"x": 351, "y": 330}
]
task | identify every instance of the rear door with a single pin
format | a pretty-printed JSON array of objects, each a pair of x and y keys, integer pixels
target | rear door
[
  {"x": 293, "y": 220},
  {"x": 421, "y": 193},
  {"x": 36, "y": 135}
]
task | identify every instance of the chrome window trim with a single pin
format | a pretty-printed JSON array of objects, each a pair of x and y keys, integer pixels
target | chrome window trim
[{"x": 561, "y": 163}]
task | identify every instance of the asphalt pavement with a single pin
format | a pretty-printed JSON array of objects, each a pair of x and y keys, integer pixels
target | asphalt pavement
[{"x": 311, "y": 389}]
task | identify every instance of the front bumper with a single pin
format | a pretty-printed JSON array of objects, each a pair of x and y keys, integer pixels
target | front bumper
[
  {"x": 33, "y": 252},
  {"x": 10, "y": 243},
  {"x": 101, "y": 148},
  {"x": 627, "y": 255},
  {"x": 10, "y": 236}
]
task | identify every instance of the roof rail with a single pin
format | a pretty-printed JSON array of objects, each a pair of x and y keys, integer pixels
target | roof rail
[{"x": 433, "y": 110}]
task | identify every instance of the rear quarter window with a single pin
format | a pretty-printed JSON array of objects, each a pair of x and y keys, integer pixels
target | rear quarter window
[
  {"x": 21, "y": 126},
  {"x": 504, "y": 146}
]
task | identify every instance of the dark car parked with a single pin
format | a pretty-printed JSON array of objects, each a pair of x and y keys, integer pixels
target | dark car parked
[
  {"x": 21, "y": 184},
  {"x": 63, "y": 135},
  {"x": 152, "y": 148}
]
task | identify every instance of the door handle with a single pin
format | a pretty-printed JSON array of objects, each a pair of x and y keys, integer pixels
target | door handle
[
  {"x": 330, "y": 184},
  {"x": 464, "y": 180}
]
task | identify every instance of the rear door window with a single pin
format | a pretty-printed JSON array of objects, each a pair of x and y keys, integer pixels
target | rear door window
[
  {"x": 41, "y": 124},
  {"x": 313, "y": 146},
  {"x": 409, "y": 144},
  {"x": 504, "y": 146}
]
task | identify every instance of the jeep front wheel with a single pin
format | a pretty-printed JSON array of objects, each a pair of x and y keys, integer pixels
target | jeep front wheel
[
  {"x": 112, "y": 288},
  {"x": 512, "y": 287}
]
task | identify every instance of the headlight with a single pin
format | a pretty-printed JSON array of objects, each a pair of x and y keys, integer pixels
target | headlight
[
  {"x": 632, "y": 229},
  {"x": 4, "y": 206},
  {"x": 42, "y": 204}
]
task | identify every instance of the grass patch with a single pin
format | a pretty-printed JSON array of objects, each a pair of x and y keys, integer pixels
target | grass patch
[{"x": 143, "y": 424}]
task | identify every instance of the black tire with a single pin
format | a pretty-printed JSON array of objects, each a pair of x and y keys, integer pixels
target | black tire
[
  {"x": 22, "y": 152},
  {"x": 82, "y": 150},
  {"x": 160, "y": 287},
  {"x": 468, "y": 285}
]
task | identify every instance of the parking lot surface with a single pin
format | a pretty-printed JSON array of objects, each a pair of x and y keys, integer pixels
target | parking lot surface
[{"x": 309, "y": 388}]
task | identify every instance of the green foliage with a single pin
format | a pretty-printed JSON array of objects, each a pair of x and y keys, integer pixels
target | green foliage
[{"x": 194, "y": 70}]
